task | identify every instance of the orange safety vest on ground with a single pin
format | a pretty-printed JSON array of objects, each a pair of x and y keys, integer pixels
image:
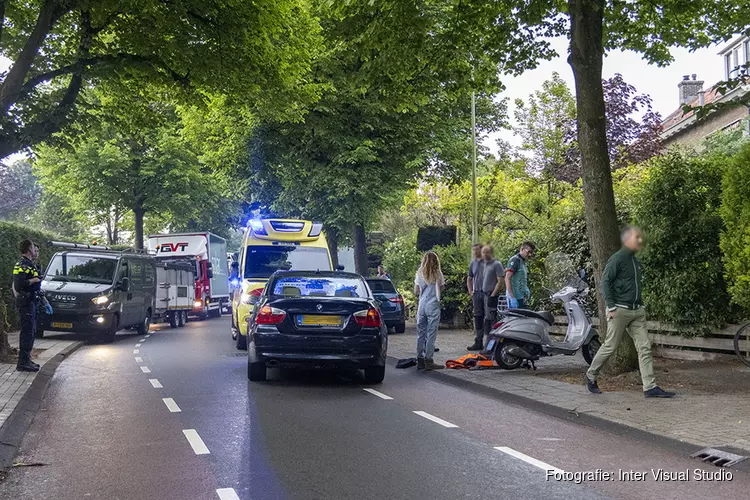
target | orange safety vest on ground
[{"x": 469, "y": 361}]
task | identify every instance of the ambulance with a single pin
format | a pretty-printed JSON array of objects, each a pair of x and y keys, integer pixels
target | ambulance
[{"x": 271, "y": 245}]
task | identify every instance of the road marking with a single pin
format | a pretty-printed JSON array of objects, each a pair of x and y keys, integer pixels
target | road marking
[
  {"x": 147, "y": 336},
  {"x": 136, "y": 351},
  {"x": 138, "y": 345},
  {"x": 199, "y": 447},
  {"x": 142, "y": 340},
  {"x": 435, "y": 419},
  {"x": 145, "y": 369},
  {"x": 155, "y": 382},
  {"x": 171, "y": 405},
  {"x": 378, "y": 394},
  {"x": 227, "y": 494},
  {"x": 138, "y": 359},
  {"x": 529, "y": 460}
]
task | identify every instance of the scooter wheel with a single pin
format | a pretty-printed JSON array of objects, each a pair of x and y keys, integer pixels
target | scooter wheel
[
  {"x": 589, "y": 350},
  {"x": 504, "y": 359}
]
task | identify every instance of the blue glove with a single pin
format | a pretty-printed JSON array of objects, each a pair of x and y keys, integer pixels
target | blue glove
[
  {"x": 512, "y": 303},
  {"x": 48, "y": 309}
]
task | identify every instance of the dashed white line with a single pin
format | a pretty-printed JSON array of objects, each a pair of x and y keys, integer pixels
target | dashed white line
[
  {"x": 147, "y": 336},
  {"x": 145, "y": 369},
  {"x": 529, "y": 460},
  {"x": 227, "y": 494},
  {"x": 138, "y": 359},
  {"x": 136, "y": 351},
  {"x": 142, "y": 340},
  {"x": 138, "y": 345},
  {"x": 199, "y": 447},
  {"x": 435, "y": 419},
  {"x": 171, "y": 405},
  {"x": 155, "y": 382},
  {"x": 378, "y": 394}
]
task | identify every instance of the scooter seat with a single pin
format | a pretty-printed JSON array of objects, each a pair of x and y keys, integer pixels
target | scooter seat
[{"x": 543, "y": 315}]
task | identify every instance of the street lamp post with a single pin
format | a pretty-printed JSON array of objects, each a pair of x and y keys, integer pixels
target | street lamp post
[{"x": 474, "y": 228}]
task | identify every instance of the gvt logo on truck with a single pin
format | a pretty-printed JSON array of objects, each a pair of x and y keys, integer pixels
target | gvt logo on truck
[{"x": 171, "y": 247}]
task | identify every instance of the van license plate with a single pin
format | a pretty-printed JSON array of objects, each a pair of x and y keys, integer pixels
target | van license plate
[
  {"x": 56, "y": 324},
  {"x": 318, "y": 320}
]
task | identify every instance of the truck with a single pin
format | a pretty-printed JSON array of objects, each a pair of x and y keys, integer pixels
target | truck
[{"x": 208, "y": 254}]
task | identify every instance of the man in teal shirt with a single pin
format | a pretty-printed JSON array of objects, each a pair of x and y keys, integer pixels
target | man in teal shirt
[{"x": 516, "y": 277}]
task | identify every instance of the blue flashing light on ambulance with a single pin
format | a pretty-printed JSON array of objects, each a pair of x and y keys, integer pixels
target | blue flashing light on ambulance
[{"x": 270, "y": 245}]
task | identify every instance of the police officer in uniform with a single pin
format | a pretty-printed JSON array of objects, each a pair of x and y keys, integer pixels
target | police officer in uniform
[{"x": 26, "y": 287}]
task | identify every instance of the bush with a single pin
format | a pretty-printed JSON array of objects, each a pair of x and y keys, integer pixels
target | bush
[
  {"x": 678, "y": 208},
  {"x": 735, "y": 239},
  {"x": 10, "y": 236}
]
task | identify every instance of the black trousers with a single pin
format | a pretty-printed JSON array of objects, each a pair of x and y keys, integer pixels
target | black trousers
[
  {"x": 27, "y": 313},
  {"x": 490, "y": 312},
  {"x": 477, "y": 302}
]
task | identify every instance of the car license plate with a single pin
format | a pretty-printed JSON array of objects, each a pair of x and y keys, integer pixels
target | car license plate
[
  {"x": 56, "y": 324},
  {"x": 318, "y": 320}
]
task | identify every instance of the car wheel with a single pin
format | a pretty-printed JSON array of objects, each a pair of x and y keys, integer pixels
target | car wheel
[
  {"x": 185, "y": 318},
  {"x": 241, "y": 342},
  {"x": 108, "y": 336},
  {"x": 401, "y": 328},
  {"x": 374, "y": 374},
  {"x": 174, "y": 319},
  {"x": 145, "y": 325},
  {"x": 256, "y": 372}
]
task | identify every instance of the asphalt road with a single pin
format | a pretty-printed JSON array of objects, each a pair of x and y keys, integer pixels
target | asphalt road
[{"x": 172, "y": 416}]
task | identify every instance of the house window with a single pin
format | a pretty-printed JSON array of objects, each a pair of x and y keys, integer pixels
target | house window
[{"x": 728, "y": 66}]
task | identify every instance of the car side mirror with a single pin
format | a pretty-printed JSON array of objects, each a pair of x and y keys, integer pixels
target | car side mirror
[
  {"x": 125, "y": 284},
  {"x": 209, "y": 271}
]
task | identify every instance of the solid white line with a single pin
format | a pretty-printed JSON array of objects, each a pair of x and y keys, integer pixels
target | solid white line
[
  {"x": 199, "y": 447},
  {"x": 138, "y": 360},
  {"x": 378, "y": 394},
  {"x": 171, "y": 405},
  {"x": 529, "y": 460},
  {"x": 227, "y": 494},
  {"x": 435, "y": 419},
  {"x": 155, "y": 382},
  {"x": 145, "y": 369},
  {"x": 136, "y": 351},
  {"x": 138, "y": 345}
]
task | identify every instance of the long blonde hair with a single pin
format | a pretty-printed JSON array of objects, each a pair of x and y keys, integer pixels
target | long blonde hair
[{"x": 430, "y": 268}]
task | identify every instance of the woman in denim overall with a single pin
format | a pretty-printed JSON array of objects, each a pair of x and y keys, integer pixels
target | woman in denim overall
[{"x": 428, "y": 284}]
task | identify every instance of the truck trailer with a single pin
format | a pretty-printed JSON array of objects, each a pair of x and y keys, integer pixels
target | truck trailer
[{"x": 208, "y": 254}]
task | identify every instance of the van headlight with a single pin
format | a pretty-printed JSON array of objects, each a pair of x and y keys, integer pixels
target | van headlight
[{"x": 100, "y": 300}]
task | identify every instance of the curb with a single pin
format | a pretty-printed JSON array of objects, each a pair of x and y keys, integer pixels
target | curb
[
  {"x": 15, "y": 427},
  {"x": 599, "y": 423}
]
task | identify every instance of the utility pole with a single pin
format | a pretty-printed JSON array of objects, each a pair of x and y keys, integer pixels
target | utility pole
[{"x": 474, "y": 223}]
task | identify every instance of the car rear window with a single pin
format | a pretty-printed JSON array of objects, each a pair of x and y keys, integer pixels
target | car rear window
[
  {"x": 304, "y": 286},
  {"x": 381, "y": 286}
]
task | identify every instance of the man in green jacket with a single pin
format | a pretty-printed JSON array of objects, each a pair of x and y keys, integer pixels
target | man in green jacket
[{"x": 621, "y": 287}]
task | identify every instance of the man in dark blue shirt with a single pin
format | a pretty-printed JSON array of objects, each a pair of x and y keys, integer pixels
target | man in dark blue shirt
[{"x": 26, "y": 287}]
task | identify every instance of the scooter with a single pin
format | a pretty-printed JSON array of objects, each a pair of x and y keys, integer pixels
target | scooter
[{"x": 523, "y": 336}]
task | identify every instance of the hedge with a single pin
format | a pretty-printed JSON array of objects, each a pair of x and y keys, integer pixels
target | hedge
[{"x": 10, "y": 236}]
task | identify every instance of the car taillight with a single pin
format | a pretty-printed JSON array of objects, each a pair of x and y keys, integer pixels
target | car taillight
[
  {"x": 368, "y": 318},
  {"x": 397, "y": 300},
  {"x": 497, "y": 325},
  {"x": 270, "y": 316}
]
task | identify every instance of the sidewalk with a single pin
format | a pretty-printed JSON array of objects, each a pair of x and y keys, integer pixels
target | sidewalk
[
  {"x": 712, "y": 413},
  {"x": 14, "y": 384}
]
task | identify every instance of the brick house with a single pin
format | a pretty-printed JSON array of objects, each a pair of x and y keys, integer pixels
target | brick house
[{"x": 685, "y": 129}]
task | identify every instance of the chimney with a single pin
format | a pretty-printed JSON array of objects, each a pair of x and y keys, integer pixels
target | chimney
[{"x": 689, "y": 89}]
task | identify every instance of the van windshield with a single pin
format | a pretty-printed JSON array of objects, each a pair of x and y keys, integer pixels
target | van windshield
[
  {"x": 263, "y": 261},
  {"x": 81, "y": 268}
]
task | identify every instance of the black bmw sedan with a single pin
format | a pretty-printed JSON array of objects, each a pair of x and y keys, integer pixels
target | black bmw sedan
[{"x": 319, "y": 319}]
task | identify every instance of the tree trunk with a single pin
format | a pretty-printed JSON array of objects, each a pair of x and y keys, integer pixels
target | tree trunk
[
  {"x": 360, "y": 250},
  {"x": 586, "y": 59},
  {"x": 333, "y": 247},
  {"x": 138, "y": 216}
]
